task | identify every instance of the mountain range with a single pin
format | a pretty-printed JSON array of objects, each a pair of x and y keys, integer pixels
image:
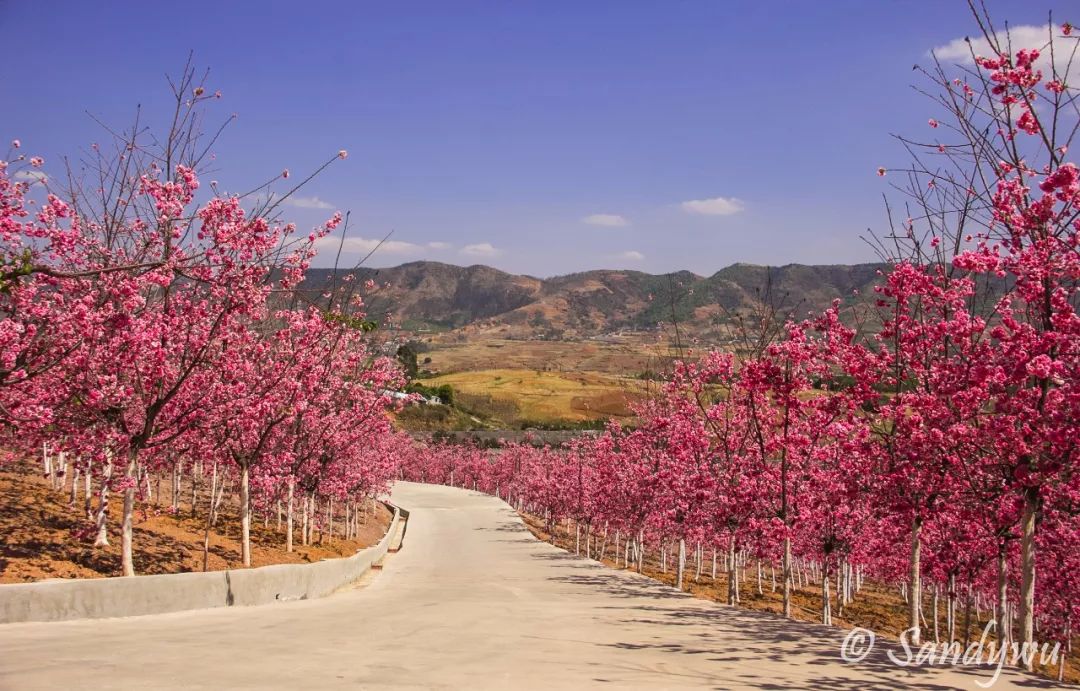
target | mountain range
[{"x": 479, "y": 300}]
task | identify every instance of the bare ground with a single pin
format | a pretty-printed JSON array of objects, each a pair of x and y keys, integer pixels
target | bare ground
[{"x": 39, "y": 542}]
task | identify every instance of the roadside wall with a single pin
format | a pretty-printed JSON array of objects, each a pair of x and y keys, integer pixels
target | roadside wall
[{"x": 94, "y": 598}]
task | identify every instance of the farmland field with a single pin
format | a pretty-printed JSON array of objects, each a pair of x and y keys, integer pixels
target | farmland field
[
  {"x": 543, "y": 396},
  {"x": 628, "y": 358}
]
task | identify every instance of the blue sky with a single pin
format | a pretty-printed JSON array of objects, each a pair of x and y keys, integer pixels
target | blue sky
[{"x": 539, "y": 137}]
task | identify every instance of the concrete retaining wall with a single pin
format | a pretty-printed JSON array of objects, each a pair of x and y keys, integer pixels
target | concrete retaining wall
[{"x": 94, "y": 598}]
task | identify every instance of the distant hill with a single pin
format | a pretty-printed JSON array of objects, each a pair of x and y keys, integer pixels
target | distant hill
[{"x": 479, "y": 300}]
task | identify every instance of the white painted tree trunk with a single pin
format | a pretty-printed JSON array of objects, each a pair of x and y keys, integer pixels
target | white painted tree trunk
[
  {"x": 101, "y": 521},
  {"x": 211, "y": 514},
  {"x": 245, "y": 514},
  {"x": 127, "y": 561},
  {"x": 73, "y": 498},
  {"x": 733, "y": 574},
  {"x": 1027, "y": 570},
  {"x": 176, "y": 477},
  {"x": 60, "y": 472},
  {"x": 915, "y": 601},
  {"x": 304, "y": 522},
  {"x": 786, "y": 577},
  {"x": 950, "y": 608},
  {"x": 826, "y": 604},
  {"x": 937, "y": 615}
]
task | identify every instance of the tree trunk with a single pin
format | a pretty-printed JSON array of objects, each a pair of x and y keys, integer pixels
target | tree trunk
[
  {"x": 826, "y": 604},
  {"x": 46, "y": 461},
  {"x": 937, "y": 636},
  {"x": 176, "y": 487},
  {"x": 101, "y": 521},
  {"x": 950, "y": 608},
  {"x": 289, "y": 519},
  {"x": 127, "y": 561},
  {"x": 1002, "y": 592},
  {"x": 915, "y": 601},
  {"x": 73, "y": 498},
  {"x": 967, "y": 616},
  {"x": 1027, "y": 566},
  {"x": 194, "y": 487},
  {"x": 88, "y": 491},
  {"x": 245, "y": 514},
  {"x": 786, "y": 577},
  {"x": 680, "y": 567},
  {"x": 146, "y": 479},
  {"x": 330, "y": 520},
  {"x": 209, "y": 520},
  {"x": 732, "y": 574},
  {"x": 304, "y": 522}
]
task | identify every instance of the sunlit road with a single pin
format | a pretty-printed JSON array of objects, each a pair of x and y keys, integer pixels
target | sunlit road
[{"x": 472, "y": 601}]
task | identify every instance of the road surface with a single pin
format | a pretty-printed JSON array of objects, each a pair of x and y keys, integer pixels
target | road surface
[{"x": 472, "y": 601}]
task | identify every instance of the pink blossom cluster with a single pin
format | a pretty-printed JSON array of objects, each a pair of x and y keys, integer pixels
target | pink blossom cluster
[{"x": 162, "y": 337}]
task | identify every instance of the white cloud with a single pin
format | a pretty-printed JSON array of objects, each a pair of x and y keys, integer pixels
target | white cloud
[
  {"x": 717, "y": 206},
  {"x": 307, "y": 202},
  {"x": 364, "y": 245},
  {"x": 1023, "y": 36},
  {"x": 609, "y": 220},
  {"x": 31, "y": 175},
  {"x": 632, "y": 256},
  {"x": 480, "y": 249},
  {"x": 438, "y": 245}
]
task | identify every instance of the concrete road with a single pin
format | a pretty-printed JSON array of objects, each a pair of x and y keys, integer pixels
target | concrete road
[{"x": 472, "y": 601}]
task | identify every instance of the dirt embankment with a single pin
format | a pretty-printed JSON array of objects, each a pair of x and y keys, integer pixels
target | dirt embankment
[{"x": 39, "y": 534}]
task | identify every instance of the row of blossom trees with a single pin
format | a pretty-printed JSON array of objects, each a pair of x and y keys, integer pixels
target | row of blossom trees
[
  {"x": 147, "y": 329},
  {"x": 931, "y": 441}
]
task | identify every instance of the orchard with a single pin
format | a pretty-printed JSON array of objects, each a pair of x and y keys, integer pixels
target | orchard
[
  {"x": 929, "y": 442},
  {"x": 149, "y": 330},
  {"x": 153, "y": 327}
]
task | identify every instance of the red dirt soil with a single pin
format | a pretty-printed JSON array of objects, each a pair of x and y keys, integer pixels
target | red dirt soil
[{"x": 37, "y": 526}]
